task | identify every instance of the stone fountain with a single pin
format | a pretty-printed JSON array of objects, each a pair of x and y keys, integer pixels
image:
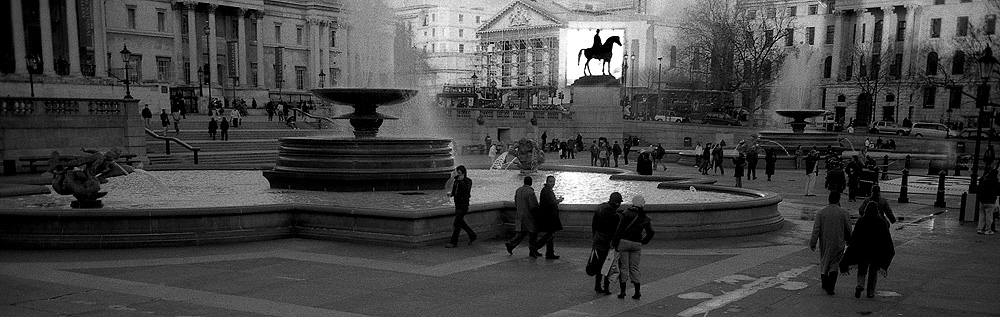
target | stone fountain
[
  {"x": 798, "y": 136},
  {"x": 365, "y": 162},
  {"x": 799, "y": 117}
]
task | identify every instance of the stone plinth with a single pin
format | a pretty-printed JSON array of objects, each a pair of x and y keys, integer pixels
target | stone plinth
[{"x": 597, "y": 108}]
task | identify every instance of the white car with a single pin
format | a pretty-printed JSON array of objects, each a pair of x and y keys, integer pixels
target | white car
[
  {"x": 670, "y": 116},
  {"x": 922, "y": 129}
]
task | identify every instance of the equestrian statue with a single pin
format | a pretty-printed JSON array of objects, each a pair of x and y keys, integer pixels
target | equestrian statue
[{"x": 598, "y": 51}]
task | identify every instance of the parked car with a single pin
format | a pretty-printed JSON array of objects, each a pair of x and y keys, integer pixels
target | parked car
[
  {"x": 886, "y": 127},
  {"x": 922, "y": 129},
  {"x": 670, "y": 116},
  {"x": 970, "y": 134},
  {"x": 719, "y": 118}
]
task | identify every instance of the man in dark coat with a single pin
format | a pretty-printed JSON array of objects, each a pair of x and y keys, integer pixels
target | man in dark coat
[
  {"x": 854, "y": 169},
  {"x": 545, "y": 135},
  {"x": 616, "y": 151},
  {"x": 626, "y": 149},
  {"x": 525, "y": 203},
  {"x": 147, "y": 114},
  {"x": 547, "y": 220},
  {"x": 604, "y": 226},
  {"x": 870, "y": 248},
  {"x": 224, "y": 128},
  {"x": 164, "y": 120},
  {"x": 212, "y": 127},
  {"x": 880, "y": 202},
  {"x": 752, "y": 163},
  {"x": 836, "y": 179},
  {"x": 769, "y": 160},
  {"x": 461, "y": 190}
]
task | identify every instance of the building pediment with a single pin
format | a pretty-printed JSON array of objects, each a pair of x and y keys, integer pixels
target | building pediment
[{"x": 518, "y": 15}]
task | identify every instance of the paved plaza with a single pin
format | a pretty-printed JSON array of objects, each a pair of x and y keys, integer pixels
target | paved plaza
[{"x": 942, "y": 268}]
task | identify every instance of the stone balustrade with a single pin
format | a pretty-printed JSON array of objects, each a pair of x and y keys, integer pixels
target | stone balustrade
[{"x": 26, "y": 106}]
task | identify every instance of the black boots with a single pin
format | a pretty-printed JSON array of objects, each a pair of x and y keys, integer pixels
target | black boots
[
  {"x": 637, "y": 294},
  {"x": 597, "y": 285},
  {"x": 829, "y": 282}
]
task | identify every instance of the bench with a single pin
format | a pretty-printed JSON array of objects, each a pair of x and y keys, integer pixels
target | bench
[{"x": 33, "y": 163}]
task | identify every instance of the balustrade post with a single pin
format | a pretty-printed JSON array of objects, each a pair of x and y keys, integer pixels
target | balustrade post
[
  {"x": 903, "y": 188},
  {"x": 195, "y": 157},
  {"x": 168, "y": 145},
  {"x": 940, "y": 190},
  {"x": 885, "y": 167}
]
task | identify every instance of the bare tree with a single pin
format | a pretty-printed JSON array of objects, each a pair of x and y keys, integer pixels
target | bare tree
[
  {"x": 738, "y": 43},
  {"x": 874, "y": 67},
  {"x": 410, "y": 62}
]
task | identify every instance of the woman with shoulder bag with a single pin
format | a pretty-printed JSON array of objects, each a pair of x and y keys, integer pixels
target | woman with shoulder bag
[{"x": 629, "y": 239}]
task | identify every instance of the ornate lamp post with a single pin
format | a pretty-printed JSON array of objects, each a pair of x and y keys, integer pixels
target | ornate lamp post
[
  {"x": 33, "y": 65},
  {"x": 322, "y": 78},
  {"x": 625, "y": 105},
  {"x": 987, "y": 64},
  {"x": 201, "y": 81},
  {"x": 659, "y": 78},
  {"x": 208, "y": 70},
  {"x": 126, "y": 55},
  {"x": 475, "y": 96},
  {"x": 631, "y": 79},
  {"x": 528, "y": 84}
]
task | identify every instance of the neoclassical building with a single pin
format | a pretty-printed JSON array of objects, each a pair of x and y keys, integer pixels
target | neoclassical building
[{"x": 259, "y": 49}]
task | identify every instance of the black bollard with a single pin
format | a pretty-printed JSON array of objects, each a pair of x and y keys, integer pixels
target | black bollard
[
  {"x": 958, "y": 169},
  {"x": 903, "y": 188},
  {"x": 885, "y": 167},
  {"x": 907, "y": 163},
  {"x": 961, "y": 210},
  {"x": 940, "y": 191}
]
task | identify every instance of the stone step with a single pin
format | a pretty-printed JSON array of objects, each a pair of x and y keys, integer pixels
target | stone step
[
  {"x": 216, "y": 158},
  {"x": 215, "y": 146}
]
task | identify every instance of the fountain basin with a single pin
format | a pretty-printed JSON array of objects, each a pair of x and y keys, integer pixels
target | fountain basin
[
  {"x": 799, "y": 117},
  {"x": 193, "y": 210}
]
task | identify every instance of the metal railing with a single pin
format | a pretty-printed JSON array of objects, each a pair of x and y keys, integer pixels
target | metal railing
[
  {"x": 167, "y": 141},
  {"x": 319, "y": 118}
]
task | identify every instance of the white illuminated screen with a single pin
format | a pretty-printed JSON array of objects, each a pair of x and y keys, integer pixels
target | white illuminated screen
[{"x": 578, "y": 39}]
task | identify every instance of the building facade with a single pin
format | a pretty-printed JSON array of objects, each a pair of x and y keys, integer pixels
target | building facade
[
  {"x": 446, "y": 36},
  {"x": 188, "y": 50},
  {"x": 871, "y": 61}
]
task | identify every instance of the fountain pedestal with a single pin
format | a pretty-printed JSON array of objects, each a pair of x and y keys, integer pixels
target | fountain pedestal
[{"x": 799, "y": 118}]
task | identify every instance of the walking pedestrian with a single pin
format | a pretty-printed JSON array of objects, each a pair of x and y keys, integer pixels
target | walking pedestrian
[
  {"x": 658, "y": 154},
  {"x": 738, "y": 163},
  {"x": 831, "y": 229},
  {"x": 602, "y": 152},
  {"x": 752, "y": 163},
  {"x": 769, "y": 160},
  {"x": 164, "y": 120},
  {"x": 269, "y": 107},
  {"x": 224, "y": 128},
  {"x": 461, "y": 190},
  {"x": 634, "y": 231},
  {"x": 616, "y": 151},
  {"x": 626, "y": 149},
  {"x": 836, "y": 178},
  {"x": 717, "y": 158},
  {"x": 212, "y": 127},
  {"x": 854, "y": 169},
  {"x": 706, "y": 158},
  {"x": 547, "y": 220},
  {"x": 812, "y": 170},
  {"x": 798, "y": 155},
  {"x": 604, "y": 226},
  {"x": 988, "y": 189},
  {"x": 594, "y": 150},
  {"x": 881, "y": 204},
  {"x": 177, "y": 122},
  {"x": 697, "y": 155},
  {"x": 526, "y": 203},
  {"x": 147, "y": 114},
  {"x": 235, "y": 116},
  {"x": 545, "y": 135},
  {"x": 870, "y": 249}
]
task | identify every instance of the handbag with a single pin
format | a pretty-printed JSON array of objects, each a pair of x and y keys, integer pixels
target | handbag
[
  {"x": 610, "y": 265},
  {"x": 594, "y": 264}
]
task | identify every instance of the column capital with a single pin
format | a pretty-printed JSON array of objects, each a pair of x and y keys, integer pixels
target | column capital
[
  {"x": 212, "y": 7},
  {"x": 242, "y": 12},
  {"x": 888, "y": 9},
  {"x": 258, "y": 14},
  {"x": 190, "y": 5}
]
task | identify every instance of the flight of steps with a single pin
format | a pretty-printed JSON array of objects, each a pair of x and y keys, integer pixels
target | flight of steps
[{"x": 252, "y": 145}]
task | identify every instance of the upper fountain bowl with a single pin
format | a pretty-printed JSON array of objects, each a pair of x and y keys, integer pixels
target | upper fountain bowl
[
  {"x": 365, "y": 96},
  {"x": 800, "y": 114}
]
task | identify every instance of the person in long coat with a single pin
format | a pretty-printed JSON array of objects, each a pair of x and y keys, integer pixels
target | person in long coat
[
  {"x": 634, "y": 231},
  {"x": 461, "y": 190},
  {"x": 836, "y": 179},
  {"x": 751, "y": 161},
  {"x": 769, "y": 160},
  {"x": 870, "y": 249},
  {"x": 524, "y": 223},
  {"x": 831, "y": 229},
  {"x": 739, "y": 162},
  {"x": 212, "y": 127},
  {"x": 547, "y": 220},
  {"x": 604, "y": 225},
  {"x": 224, "y": 128}
]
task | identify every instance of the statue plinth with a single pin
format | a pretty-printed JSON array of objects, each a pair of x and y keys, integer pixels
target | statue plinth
[{"x": 602, "y": 80}]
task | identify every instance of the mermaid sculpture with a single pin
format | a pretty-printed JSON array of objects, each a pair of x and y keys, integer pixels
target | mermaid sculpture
[
  {"x": 82, "y": 177},
  {"x": 529, "y": 155}
]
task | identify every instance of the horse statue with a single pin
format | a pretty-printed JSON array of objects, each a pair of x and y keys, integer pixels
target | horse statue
[{"x": 602, "y": 53}]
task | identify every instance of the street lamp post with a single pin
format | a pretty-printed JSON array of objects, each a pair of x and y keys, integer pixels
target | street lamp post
[
  {"x": 201, "y": 81},
  {"x": 659, "y": 78},
  {"x": 322, "y": 78},
  {"x": 32, "y": 68},
  {"x": 528, "y": 84},
  {"x": 475, "y": 96},
  {"x": 625, "y": 83},
  {"x": 208, "y": 67},
  {"x": 632, "y": 78},
  {"x": 126, "y": 55},
  {"x": 987, "y": 63}
]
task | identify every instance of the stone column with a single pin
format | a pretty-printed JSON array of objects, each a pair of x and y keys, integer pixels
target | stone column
[
  {"x": 178, "y": 58},
  {"x": 100, "y": 41},
  {"x": 45, "y": 19},
  {"x": 261, "y": 69},
  {"x": 212, "y": 49},
  {"x": 193, "y": 60},
  {"x": 838, "y": 44},
  {"x": 324, "y": 51},
  {"x": 889, "y": 20},
  {"x": 241, "y": 47},
  {"x": 908, "y": 39},
  {"x": 312, "y": 74},
  {"x": 73, "y": 34},
  {"x": 20, "y": 49}
]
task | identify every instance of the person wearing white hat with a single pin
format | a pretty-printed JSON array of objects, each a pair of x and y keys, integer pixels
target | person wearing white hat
[{"x": 629, "y": 239}]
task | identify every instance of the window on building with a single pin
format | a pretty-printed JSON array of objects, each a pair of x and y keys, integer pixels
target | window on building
[
  {"x": 841, "y": 98},
  {"x": 477, "y": 20},
  {"x": 930, "y": 93},
  {"x": 938, "y": 1},
  {"x": 864, "y": 34},
  {"x": 333, "y": 38},
  {"x": 434, "y": 32},
  {"x": 965, "y": 1},
  {"x": 791, "y": 11},
  {"x": 954, "y": 97},
  {"x": 334, "y": 77},
  {"x": 900, "y": 31},
  {"x": 433, "y": 47},
  {"x": 876, "y": 66},
  {"x": 789, "y": 37},
  {"x": 277, "y": 33},
  {"x": 184, "y": 24},
  {"x": 766, "y": 69},
  {"x": 897, "y": 66},
  {"x": 862, "y": 68},
  {"x": 877, "y": 36},
  {"x": 460, "y": 17},
  {"x": 890, "y": 98},
  {"x": 298, "y": 35},
  {"x": 936, "y": 28},
  {"x": 813, "y": 9},
  {"x": 130, "y": 10},
  {"x": 135, "y": 64},
  {"x": 768, "y": 35},
  {"x": 811, "y": 35},
  {"x": 433, "y": 17},
  {"x": 991, "y": 24},
  {"x": 673, "y": 56},
  {"x": 187, "y": 72},
  {"x": 830, "y": 7},
  {"x": 829, "y": 34},
  {"x": 772, "y": 13},
  {"x": 254, "y": 80},
  {"x": 461, "y": 32},
  {"x": 751, "y": 14},
  {"x": 425, "y": 21},
  {"x": 461, "y": 48},
  {"x": 161, "y": 21},
  {"x": 962, "y": 28},
  {"x": 849, "y": 67},
  {"x": 958, "y": 63},
  {"x": 827, "y": 66},
  {"x": 221, "y": 68},
  {"x": 932, "y": 63},
  {"x": 163, "y": 69},
  {"x": 300, "y": 77},
  {"x": 234, "y": 28}
]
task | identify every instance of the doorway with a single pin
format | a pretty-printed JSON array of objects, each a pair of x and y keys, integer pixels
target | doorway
[
  {"x": 864, "y": 111},
  {"x": 503, "y": 135}
]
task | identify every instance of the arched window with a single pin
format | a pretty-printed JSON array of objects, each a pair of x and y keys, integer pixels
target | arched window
[
  {"x": 766, "y": 69},
  {"x": 841, "y": 98},
  {"x": 932, "y": 63},
  {"x": 890, "y": 98},
  {"x": 827, "y": 66},
  {"x": 958, "y": 63},
  {"x": 673, "y": 56}
]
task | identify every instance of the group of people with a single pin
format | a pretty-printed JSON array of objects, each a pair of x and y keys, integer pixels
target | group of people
[
  {"x": 880, "y": 144},
  {"x": 710, "y": 157}
]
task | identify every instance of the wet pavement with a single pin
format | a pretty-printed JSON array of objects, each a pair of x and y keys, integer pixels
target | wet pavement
[{"x": 941, "y": 268}]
